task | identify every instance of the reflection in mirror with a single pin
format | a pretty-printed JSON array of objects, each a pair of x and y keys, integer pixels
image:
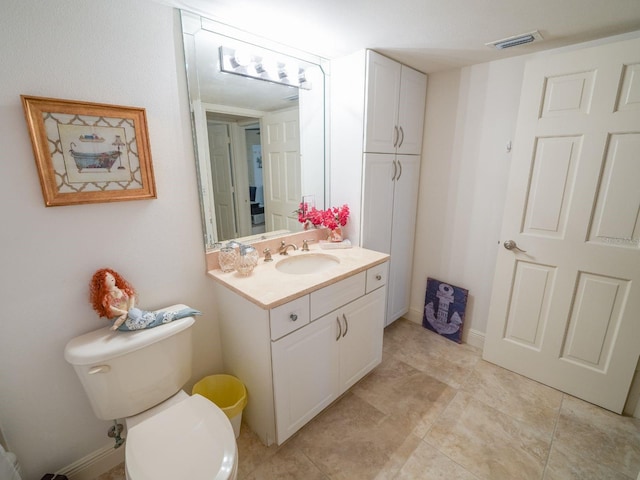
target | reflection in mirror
[{"x": 258, "y": 115}]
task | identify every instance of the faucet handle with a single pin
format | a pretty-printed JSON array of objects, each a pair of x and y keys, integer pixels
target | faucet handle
[
  {"x": 305, "y": 244},
  {"x": 267, "y": 255}
]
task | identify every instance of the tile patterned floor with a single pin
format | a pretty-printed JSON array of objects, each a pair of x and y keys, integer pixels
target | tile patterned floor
[{"x": 435, "y": 410}]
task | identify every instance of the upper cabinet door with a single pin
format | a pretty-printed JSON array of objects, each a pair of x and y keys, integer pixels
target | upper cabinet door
[
  {"x": 395, "y": 107},
  {"x": 381, "y": 115},
  {"x": 413, "y": 94}
]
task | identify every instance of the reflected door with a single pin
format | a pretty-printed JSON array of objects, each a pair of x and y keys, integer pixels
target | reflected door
[
  {"x": 223, "y": 185},
  {"x": 565, "y": 309},
  {"x": 282, "y": 171}
]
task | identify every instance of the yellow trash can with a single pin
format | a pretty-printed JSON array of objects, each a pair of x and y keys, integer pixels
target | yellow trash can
[{"x": 228, "y": 393}]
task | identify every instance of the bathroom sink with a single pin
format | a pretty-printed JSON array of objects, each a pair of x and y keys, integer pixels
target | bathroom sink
[{"x": 307, "y": 263}]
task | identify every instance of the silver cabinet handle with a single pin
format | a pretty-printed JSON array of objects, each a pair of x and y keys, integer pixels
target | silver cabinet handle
[
  {"x": 395, "y": 136},
  {"x": 395, "y": 170},
  {"x": 400, "y": 174},
  {"x": 378, "y": 277},
  {"x": 346, "y": 325},
  {"x": 339, "y": 329},
  {"x": 511, "y": 245},
  {"x": 293, "y": 317},
  {"x": 401, "y": 137}
]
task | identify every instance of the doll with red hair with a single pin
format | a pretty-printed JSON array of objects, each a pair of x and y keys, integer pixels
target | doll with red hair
[{"x": 113, "y": 297}]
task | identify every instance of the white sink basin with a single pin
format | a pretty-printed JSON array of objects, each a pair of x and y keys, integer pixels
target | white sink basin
[{"x": 307, "y": 263}]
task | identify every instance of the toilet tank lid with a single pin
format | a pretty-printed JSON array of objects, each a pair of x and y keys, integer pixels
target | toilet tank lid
[{"x": 105, "y": 344}]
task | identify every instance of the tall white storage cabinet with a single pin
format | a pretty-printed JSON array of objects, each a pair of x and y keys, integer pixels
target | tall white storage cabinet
[{"x": 377, "y": 123}]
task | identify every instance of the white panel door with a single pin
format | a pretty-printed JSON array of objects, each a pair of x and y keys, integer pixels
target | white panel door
[
  {"x": 382, "y": 94},
  {"x": 380, "y": 171},
  {"x": 361, "y": 337},
  {"x": 413, "y": 95},
  {"x": 405, "y": 205},
  {"x": 223, "y": 184},
  {"x": 565, "y": 309},
  {"x": 282, "y": 175},
  {"x": 305, "y": 374}
]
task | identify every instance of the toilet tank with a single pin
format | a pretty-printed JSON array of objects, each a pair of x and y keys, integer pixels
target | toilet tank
[{"x": 125, "y": 373}]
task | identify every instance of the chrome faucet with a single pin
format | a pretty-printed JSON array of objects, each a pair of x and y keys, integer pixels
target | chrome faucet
[{"x": 284, "y": 246}]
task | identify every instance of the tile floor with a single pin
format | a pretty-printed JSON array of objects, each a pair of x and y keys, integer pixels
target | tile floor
[{"x": 435, "y": 410}]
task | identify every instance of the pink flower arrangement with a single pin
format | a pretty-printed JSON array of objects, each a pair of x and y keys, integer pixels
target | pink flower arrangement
[{"x": 331, "y": 218}]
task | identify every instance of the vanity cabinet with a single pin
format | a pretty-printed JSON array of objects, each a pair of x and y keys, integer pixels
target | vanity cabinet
[
  {"x": 297, "y": 358},
  {"x": 377, "y": 108},
  {"x": 315, "y": 365}
]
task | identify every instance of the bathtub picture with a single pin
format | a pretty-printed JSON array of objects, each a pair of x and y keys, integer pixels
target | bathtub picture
[
  {"x": 95, "y": 153},
  {"x": 89, "y": 152}
]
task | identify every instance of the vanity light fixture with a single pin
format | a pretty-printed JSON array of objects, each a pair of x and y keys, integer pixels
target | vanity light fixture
[
  {"x": 515, "y": 40},
  {"x": 240, "y": 62}
]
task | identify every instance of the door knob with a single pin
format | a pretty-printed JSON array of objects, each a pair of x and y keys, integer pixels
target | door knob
[{"x": 511, "y": 245}]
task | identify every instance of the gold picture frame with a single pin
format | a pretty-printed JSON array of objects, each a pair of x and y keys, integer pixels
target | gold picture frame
[{"x": 89, "y": 152}]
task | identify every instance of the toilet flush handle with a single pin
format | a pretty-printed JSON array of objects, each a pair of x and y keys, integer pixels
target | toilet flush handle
[{"x": 99, "y": 369}]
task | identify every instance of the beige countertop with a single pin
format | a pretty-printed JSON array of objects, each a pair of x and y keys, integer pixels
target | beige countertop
[{"x": 267, "y": 287}]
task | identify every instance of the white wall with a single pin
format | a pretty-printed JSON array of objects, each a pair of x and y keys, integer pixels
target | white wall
[
  {"x": 470, "y": 118},
  {"x": 125, "y": 52}
]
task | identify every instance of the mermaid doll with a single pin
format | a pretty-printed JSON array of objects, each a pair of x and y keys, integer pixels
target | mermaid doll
[{"x": 113, "y": 297}]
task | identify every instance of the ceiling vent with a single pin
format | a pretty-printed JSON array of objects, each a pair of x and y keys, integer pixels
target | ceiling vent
[{"x": 515, "y": 40}]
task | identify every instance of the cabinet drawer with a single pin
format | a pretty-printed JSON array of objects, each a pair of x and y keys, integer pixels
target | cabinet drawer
[
  {"x": 289, "y": 317},
  {"x": 377, "y": 276},
  {"x": 340, "y": 293}
]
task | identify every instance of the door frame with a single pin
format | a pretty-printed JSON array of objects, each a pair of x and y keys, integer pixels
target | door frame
[{"x": 204, "y": 166}]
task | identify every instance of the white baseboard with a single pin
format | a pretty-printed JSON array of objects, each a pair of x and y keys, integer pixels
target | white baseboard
[
  {"x": 475, "y": 338},
  {"x": 95, "y": 464},
  {"x": 414, "y": 316}
]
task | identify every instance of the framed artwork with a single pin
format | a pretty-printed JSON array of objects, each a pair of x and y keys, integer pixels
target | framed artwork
[
  {"x": 89, "y": 152},
  {"x": 444, "y": 308}
]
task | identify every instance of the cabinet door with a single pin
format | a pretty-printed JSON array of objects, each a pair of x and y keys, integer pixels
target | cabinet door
[
  {"x": 413, "y": 94},
  {"x": 361, "y": 340},
  {"x": 405, "y": 204},
  {"x": 377, "y": 201},
  {"x": 305, "y": 374},
  {"x": 382, "y": 94}
]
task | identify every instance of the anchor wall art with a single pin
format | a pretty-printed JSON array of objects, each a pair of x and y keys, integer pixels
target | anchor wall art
[
  {"x": 89, "y": 152},
  {"x": 444, "y": 308}
]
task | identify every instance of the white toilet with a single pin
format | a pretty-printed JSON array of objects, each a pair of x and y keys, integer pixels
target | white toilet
[{"x": 139, "y": 376}]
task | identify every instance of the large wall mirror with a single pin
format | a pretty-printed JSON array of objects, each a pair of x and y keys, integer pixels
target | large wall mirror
[{"x": 259, "y": 120}]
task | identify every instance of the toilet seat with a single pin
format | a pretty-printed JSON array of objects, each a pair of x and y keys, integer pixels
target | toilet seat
[{"x": 191, "y": 439}]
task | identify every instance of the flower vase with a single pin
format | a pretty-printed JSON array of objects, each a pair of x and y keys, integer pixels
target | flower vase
[{"x": 335, "y": 235}]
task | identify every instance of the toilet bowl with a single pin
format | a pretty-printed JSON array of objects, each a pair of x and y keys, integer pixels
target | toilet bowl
[{"x": 189, "y": 439}]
